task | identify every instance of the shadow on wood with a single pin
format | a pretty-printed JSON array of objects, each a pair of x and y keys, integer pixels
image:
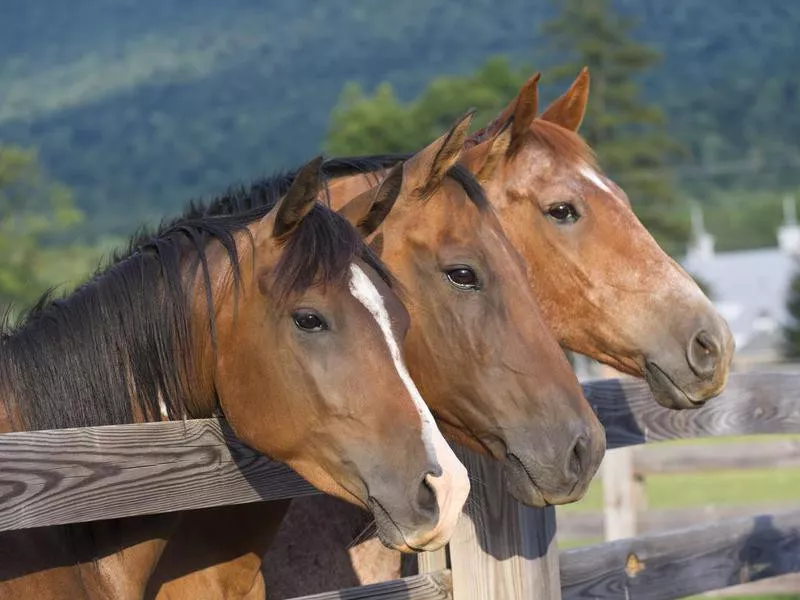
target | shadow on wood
[
  {"x": 502, "y": 549},
  {"x": 685, "y": 562}
]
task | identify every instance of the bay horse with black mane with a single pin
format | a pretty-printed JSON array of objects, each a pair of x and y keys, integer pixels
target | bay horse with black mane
[{"x": 279, "y": 318}]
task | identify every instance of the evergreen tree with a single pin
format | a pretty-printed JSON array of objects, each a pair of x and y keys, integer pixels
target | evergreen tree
[
  {"x": 380, "y": 123},
  {"x": 628, "y": 135},
  {"x": 791, "y": 331}
]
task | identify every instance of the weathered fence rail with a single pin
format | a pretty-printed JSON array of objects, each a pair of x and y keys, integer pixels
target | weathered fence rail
[
  {"x": 685, "y": 561},
  {"x": 507, "y": 551},
  {"x": 77, "y": 475}
]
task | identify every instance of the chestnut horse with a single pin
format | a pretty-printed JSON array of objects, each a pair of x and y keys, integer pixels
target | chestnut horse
[
  {"x": 607, "y": 290},
  {"x": 477, "y": 347},
  {"x": 283, "y": 320},
  {"x": 619, "y": 299}
]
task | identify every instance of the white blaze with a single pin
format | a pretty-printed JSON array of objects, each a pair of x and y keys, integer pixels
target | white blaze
[
  {"x": 365, "y": 292},
  {"x": 595, "y": 178},
  {"x": 452, "y": 487}
]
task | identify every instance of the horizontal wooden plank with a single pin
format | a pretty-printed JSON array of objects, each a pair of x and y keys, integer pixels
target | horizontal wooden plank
[
  {"x": 75, "y": 475},
  {"x": 55, "y": 477},
  {"x": 775, "y": 586},
  {"x": 686, "y": 561},
  {"x": 575, "y": 525},
  {"x": 758, "y": 402},
  {"x": 431, "y": 586},
  {"x": 692, "y": 458}
]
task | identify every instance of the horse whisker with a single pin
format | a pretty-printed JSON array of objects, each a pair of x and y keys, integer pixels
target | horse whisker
[{"x": 366, "y": 533}]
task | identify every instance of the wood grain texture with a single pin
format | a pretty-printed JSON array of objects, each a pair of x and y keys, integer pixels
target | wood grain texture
[
  {"x": 501, "y": 549},
  {"x": 55, "y": 477},
  {"x": 761, "y": 454},
  {"x": 431, "y": 586},
  {"x": 431, "y": 562},
  {"x": 761, "y": 402},
  {"x": 76, "y": 475},
  {"x": 684, "y": 562}
]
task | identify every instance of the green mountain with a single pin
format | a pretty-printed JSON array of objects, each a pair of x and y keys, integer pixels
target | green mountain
[{"x": 140, "y": 105}]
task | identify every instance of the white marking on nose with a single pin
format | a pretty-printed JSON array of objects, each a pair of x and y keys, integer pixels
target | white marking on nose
[
  {"x": 452, "y": 487},
  {"x": 592, "y": 175}
]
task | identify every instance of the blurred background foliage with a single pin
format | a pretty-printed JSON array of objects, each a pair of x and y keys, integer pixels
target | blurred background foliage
[
  {"x": 37, "y": 220},
  {"x": 118, "y": 112}
]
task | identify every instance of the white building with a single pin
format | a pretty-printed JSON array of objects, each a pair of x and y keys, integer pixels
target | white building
[{"x": 749, "y": 287}]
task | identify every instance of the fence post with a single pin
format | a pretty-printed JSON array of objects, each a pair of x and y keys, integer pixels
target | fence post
[
  {"x": 430, "y": 562},
  {"x": 501, "y": 549},
  {"x": 621, "y": 492},
  {"x": 619, "y": 495}
]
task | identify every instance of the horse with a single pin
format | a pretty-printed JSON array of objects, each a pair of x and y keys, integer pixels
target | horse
[
  {"x": 605, "y": 286},
  {"x": 478, "y": 348},
  {"x": 282, "y": 320},
  {"x": 619, "y": 299}
]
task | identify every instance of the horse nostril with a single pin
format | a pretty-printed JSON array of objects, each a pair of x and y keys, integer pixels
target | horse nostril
[
  {"x": 578, "y": 456},
  {"x": 426, "y": 503},
  {"x": 703, "y": 354},
  {"x": 706, "y": 343}
]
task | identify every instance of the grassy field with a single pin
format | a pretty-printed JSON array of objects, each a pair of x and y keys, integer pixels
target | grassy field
[
  {"x": 740, "y": 487},
  {"x": 702, "y": 489}
]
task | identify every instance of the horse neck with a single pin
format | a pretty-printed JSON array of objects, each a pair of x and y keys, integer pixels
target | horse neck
[{"x": 105, "y": 356}]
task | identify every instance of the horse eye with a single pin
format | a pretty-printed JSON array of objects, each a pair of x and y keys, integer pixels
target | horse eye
[
  {"x": 563, "y": 213},
  {"x": 463, "y": 278},
  {"x": 309, "y": 321}
]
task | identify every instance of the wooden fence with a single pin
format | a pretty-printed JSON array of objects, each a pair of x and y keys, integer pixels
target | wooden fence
[{"x": 500, "y": 550}]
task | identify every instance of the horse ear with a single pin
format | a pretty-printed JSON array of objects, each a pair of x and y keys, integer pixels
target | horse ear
[
  {"x": 526, "y": 107},
  {"x": 299, "y": 200},
  {"x": 568, "y": 110},
  {"x": 367, "y": 211},
  {"x": 482, "y": 160},
  {"x": 426, "y": 170}
]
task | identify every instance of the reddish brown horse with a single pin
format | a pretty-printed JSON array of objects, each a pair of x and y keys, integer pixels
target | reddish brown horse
[
  {"x": 607, "y": 289},
  {"x": 605, "y": 286},
  {"x": 477, "y": 347},
  {"x": 280, "y": 318}
]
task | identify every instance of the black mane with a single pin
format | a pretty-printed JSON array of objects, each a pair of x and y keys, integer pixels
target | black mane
[
  {"x": 241, "y": 202},
  {"x": 124, "y": 336}
]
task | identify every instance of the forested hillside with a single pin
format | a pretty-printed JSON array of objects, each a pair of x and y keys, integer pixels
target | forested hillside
[{"x": 137, "y": 105}]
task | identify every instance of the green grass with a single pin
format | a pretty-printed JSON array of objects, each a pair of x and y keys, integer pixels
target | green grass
[
  {"x": 728, "y": 488},
  {"x": 740, "y": 487},
  {"x": 723, "y": 488}
]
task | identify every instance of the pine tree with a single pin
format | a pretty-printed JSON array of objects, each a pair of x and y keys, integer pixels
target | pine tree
[
  {"x": 378, "y": 122},
  {"x": 628, "y": 135},
  {"x": 791, "y": 331}
]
